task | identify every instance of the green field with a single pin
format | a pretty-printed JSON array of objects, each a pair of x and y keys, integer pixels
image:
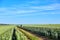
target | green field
[
  {"x": 30, "y": 32},
  {"x": 4, "y": 28},
  {"x": 6, "y": 32},
  {"x": 51, "y": 31}
]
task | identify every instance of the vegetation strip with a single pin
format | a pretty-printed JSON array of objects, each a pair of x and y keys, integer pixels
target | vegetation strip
[
  {"x": 52, "y": 32},
  {"x": 29, "y": 35},
  {"x": 11, "y": 34},
  {"x": 6, "y": 35}
]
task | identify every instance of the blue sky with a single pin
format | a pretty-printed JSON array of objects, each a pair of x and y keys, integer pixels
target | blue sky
[{"x": 30, "y": 11}]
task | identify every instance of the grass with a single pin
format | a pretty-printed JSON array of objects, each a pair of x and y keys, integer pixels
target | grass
[
  {"x": 6, "y": 32},
  {"x": 42, "y": 25},
  {"x": 48, "y": 30},
  {"x": 5, "y": 28}
]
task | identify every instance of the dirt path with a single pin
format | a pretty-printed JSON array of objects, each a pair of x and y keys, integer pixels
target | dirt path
[{"x": 44, "y": 38}]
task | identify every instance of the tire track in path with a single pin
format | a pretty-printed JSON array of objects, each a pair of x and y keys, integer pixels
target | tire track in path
[{"x": 14, "y": 35}]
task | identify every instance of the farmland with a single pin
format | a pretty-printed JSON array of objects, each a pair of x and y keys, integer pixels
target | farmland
[
  {"x": 6, "y": 32},
  {"x": 51, "y": 31},
  {"x": 30, "y": 32}
]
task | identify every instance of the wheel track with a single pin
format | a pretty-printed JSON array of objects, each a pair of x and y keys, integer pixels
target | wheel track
[{"x": 14, "y": 35}]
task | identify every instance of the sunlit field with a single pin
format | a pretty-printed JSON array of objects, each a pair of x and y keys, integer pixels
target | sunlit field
[
  {"x": 51, "y": 31},
  {"x": 6, "y": 32},
  {"x": 30, "y": 32},
  {"x": 4, "y": 28}
]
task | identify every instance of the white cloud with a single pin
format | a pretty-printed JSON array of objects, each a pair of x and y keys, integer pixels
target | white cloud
[
  {"x": 47, "y": 7},
  {"x": 14, "y": 11},
  {"x": 29, "y": 9}
]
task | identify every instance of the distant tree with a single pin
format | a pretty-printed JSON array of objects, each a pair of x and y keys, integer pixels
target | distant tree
[{"x": 21, "y": 25}]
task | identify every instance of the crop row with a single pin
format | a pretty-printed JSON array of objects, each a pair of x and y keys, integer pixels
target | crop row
[
  {"x": 7, "y": 35},
  {"x": 52, "y": 33}
]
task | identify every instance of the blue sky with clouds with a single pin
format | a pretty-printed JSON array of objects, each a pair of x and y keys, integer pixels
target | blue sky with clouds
[{"x": 30, "y": 11}]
